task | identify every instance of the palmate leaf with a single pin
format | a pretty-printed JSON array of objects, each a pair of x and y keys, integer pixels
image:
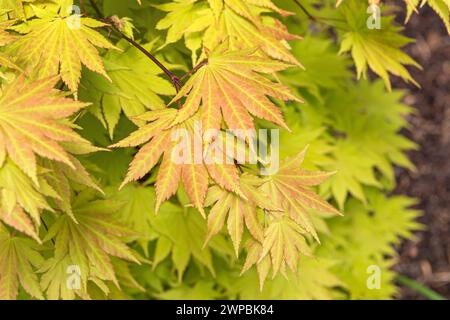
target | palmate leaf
[
  {"x": 138, "y": 210},
  {"x": 230, "y": 87},
  {"x": 87, "y": 242},
  {"x": 238, "y": 210},
  {"x": 30, "y": 123},
  {"x": 17, "y": 266},
  {"x": 181, "y": 236},
  {"x": 56, "y": 44},
  {"x": 290, "y": 190},
  {"x": 284, "y": 238},
  {"x": 377, "y": 49},
  {"x": 233, "y": 20},
  {"x": 269, "y": 35},
  {"x": 136, "y": 86},
  {"x": 191, "y": 169},
  {"x": 369, "y": 121},
  {"x": 283, "y": 244},
  {"x": 19, "y": 195},
  {"x": 441, "y": 7},
  {"x": 22, "y": 201},
  {"x": 366, "y": 236}
]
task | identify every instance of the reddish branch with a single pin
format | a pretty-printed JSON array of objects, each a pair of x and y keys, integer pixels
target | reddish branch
[{"x": 176, "y": 81}]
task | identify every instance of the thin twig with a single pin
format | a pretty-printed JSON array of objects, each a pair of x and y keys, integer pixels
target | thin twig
[
  {"x": 96, "y": 9},
  {"x": 315, "y": 18},
  {"x": 82, "y": 7},
  {"x": 305, "y": 11},
  {"x": 173, "y": 78},
  {"x": 46, "y": 228}
]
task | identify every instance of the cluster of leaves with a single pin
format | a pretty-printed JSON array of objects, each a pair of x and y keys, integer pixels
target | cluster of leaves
[{"x": 90, "y": 105}]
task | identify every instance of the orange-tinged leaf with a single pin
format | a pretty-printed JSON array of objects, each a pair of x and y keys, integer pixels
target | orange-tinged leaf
[
  {"x": 239, "y": 212},
  {"x": 195, "y": 180},
  {"x": 147, "y": 157},
  {"x": 289, "y": 190},
  {"x": 229, "y": 83},
  {"x": 191, "y": 167},
  {"x": 30, "y": 126},
  {"x": 169, "y": 176},
  {"x": 20, "y": 221},
  {"x": 19, "y": 258},
  {"x": 285, "y": 241}
]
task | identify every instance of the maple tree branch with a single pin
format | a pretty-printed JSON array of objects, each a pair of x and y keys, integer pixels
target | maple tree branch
[
  {"x": 305, "y": 11},
  {"x": 173, "y": 78},
  {"x": 82, "y": 7},
  {"x": 96, "y": 9},
  {"x": 314, "y": 18}
]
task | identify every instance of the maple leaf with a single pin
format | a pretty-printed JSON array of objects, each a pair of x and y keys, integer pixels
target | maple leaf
[
  {"x": 138, "y": 210},
  {"x": 269, "y": 36},
  {"x": 232, "y": 20},
  {"x": 30, "y": 114},
  {"x": 181, "y": 233},
  {"x": 230, "y": 82},
  {"x": 284, "y": 242},
  {"x": 369, "y": 120},
  {"x": 19, "y": 258},
  {"x": 19, "y": 195},
  {"x": 377, "y": 49},
  {"x": 61, "y": 45},
  {"x": 193, "y": 173},
  {"x": 135, "y": 88},
  {"x": 289, "y": 188},
  {"x": 441, "y": 7},
  {"x": 238, "y": 210},
  {"x": 87, "y": 240}
]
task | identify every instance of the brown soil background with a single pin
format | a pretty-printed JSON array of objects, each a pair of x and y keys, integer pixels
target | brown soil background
[{"x": 427, "y": 259}]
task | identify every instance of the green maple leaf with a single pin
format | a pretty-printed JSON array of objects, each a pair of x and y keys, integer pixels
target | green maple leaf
[
  {"x": 60, "y": 44},
  {"x": 136, "y": 86},
  {"x": 182, "y": 233},
  {"x": 377, "y": 49},
  {"x": 87, "y": 240},
  {"x": 19, "y": 259}
]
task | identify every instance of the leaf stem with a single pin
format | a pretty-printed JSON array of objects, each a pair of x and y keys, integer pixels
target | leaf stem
[
  {"x": 194, "y": 70},
  {"x": 173, "y": 78},
  {"x": 96, "y": 9},
  {"x": 305, "y": 11},
  {"x": 419, "y": 288},
  {"x": 46, "y": 228},
  {"x": 82, "y": 7},
  {"x": 314, "y": 18}
]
